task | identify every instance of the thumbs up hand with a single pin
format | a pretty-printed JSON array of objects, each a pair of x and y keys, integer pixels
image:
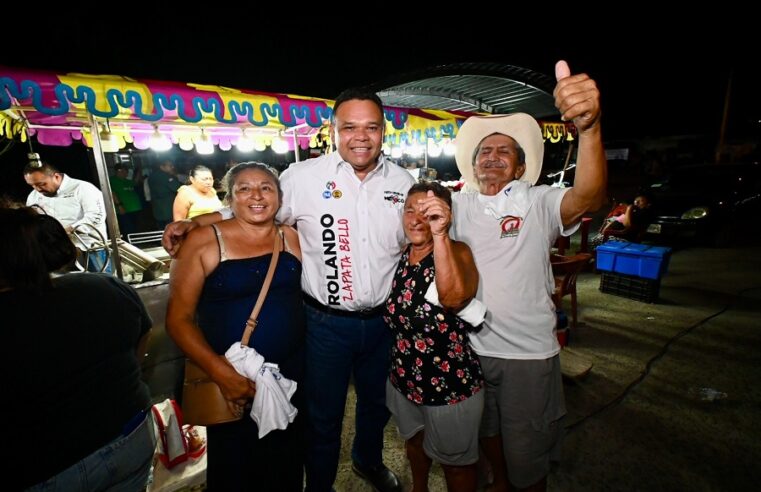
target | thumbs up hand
[{"x": 577, "y": 98}]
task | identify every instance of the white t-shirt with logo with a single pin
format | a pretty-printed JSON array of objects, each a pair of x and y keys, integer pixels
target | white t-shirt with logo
[
  {"x": 350, "y": 230},
  {"x": 510, "y": 235}
]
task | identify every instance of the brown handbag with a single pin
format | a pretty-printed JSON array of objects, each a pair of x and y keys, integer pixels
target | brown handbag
[{"x": 202, "y": 400}]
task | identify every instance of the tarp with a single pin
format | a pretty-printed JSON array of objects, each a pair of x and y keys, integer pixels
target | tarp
[{"x": 56, "y": 107}]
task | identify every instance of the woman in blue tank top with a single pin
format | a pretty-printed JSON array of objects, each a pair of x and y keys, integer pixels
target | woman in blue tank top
[{"x": 215, "y": 281}]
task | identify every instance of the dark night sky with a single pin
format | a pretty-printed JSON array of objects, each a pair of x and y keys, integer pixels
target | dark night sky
[{"x": 653, "y": 81}]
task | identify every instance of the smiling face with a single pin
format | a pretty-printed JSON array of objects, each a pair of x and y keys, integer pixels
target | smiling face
[
  {"x": 358, "y": 133},
  {"x": 498, "y": 161},
  {"x": 415, "y": 224},
  {"x": 255, "y": 196}
]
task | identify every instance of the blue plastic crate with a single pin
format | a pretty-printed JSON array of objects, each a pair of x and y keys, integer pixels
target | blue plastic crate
[{"x": 640, "y": 260}]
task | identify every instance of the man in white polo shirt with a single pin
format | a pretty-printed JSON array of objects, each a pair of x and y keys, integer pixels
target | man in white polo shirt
[
  {"x": 74, "y": 203},
  {"x": 510, "y": 226},
  {"x": 347, "y": 207}
]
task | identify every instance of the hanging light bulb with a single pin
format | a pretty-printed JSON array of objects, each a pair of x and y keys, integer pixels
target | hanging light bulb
[
  {"x": 434, "y": 149},
  {"x": 415, "y": 150},
  {"x": 279, "y": 145},
  {"x": 186, "y": 143},
  {"x": 204, "y": 145},
  {"x": 158, "y": 141},
  {"x": 449, "y": 148},
  {"x": 245, "y": 142},
  {"x": 108, "y": 141}
]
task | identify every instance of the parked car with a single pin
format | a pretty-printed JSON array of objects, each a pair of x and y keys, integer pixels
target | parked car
[{"x": 712, "y": 203}]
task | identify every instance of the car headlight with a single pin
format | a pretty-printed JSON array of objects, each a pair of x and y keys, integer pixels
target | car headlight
[{"x": 695, "y": 213}]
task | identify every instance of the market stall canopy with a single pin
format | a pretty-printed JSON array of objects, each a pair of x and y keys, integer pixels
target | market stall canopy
[
  {"x": 481, "y": 87},
  {"x": 57, "y": 110},
  {"x": 490, "y": 88}
]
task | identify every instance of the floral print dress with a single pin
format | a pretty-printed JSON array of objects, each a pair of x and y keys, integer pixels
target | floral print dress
[{"x": 431, "y": 360}]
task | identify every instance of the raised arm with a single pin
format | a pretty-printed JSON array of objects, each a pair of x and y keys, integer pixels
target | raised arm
[
  {"x": 176, "y": 232},
  {"x": 456, "y": 273},
  {"x": 188, "y": 273},
  {"x": 578, "y": 99}
]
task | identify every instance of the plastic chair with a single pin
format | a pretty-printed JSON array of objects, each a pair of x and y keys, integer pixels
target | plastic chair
[{"x": 566, "y": 269}]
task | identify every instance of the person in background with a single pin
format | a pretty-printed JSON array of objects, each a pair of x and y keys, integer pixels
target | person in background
[
  {"x": 215, "y": 282},
  {"x": 197, "y": 198},
  {"x": 163, "y": 185},
  {"x": 77, "y": 205},
  {"x": 434, "y": 386},
  {"x": 632, "y": 224},
  {"x": 510, "y": 226},
  {"x": 126, "y": 200},
  {"x": 72, "y": 351},
  {"x": 347, "y": 207}
]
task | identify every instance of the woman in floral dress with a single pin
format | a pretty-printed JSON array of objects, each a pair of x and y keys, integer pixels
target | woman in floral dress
[{"x": 434, "y": 388}]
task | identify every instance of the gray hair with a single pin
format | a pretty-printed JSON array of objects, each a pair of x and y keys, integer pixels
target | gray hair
[{"x": 229, "y": 180}]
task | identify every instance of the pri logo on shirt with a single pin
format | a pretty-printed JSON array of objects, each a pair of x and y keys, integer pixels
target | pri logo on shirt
[
  {"x": 510, "y": 226},
  {"x": 394, "y": 197},
  {"x": 331, "y": 191}
]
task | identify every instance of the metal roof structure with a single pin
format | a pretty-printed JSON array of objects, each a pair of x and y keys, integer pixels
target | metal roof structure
[{"x": 477, "y": 87}]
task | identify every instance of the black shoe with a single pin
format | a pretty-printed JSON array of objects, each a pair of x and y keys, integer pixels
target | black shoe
[{"x": 381, "y": 478}]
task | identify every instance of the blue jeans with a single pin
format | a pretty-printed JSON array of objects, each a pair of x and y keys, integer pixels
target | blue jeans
[
  {"x": 96, "y": 260},
  {"x": 338, "y": 347},
  {"x": 120, "y": 466}
]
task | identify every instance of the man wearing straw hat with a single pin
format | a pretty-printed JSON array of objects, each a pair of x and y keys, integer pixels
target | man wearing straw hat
[{"x": 511, "y": 225}]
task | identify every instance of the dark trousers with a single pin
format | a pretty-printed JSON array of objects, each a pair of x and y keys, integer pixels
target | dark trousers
[
  {"x": 338, "y": 347},
  {"x": 239, "y": 461}
]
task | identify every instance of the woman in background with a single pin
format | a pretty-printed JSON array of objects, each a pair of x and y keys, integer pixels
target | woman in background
[
  {"x": 72, "y": 350},
  {"x": 197, "y": 198}
]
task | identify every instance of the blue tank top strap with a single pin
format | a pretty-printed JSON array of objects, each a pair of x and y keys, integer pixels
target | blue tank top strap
[{"x": 221, "y": 242}]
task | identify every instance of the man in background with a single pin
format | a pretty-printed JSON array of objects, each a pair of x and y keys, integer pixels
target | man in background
[
  {"x": 77, "y": 205},
  {"x": 126, "y": 200},
  {"x": 163, "y": 185}
]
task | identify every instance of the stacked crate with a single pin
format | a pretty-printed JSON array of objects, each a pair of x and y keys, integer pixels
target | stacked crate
[{"x": 632, "y": 270}]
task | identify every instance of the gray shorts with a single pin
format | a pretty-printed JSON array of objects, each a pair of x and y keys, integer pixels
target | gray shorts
[
  {"x": 528, "y": 396},
  {"x": 451, "y": 431}
]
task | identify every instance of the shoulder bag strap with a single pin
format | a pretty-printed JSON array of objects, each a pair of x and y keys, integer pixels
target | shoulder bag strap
[{"x": 251, "y": 322}]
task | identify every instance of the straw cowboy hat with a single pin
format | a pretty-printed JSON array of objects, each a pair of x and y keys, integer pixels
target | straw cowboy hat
[{"x": 521, "y": 127}]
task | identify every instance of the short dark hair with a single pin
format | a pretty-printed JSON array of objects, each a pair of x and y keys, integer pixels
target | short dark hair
[
  {"x": 33, "y": 245},
  {"x": 356, "y": 94},
  {"x": 229, "y": 180},
  {"x": 44, "y": 168},
  {"x": 199, "y": 168},
  {"x": 437, "y": 189}
]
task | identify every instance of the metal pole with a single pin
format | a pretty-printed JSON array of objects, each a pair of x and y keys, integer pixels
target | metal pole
[
  {"x": 296, "y": 145},
  {"x": 108, "y": 198},
  {"x": 425, "y": 158}
]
